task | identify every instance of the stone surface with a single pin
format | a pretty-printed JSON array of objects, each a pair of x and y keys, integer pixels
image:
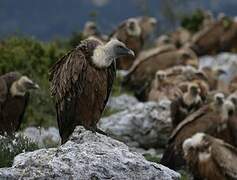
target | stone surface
[
  {"x": 43, "y": 137},
  {"x": 225, "y": 61},
  {"x": 122, "y": 102},
  {"x": 86, "y": 156},
  {"x": 146, "y": 125}
]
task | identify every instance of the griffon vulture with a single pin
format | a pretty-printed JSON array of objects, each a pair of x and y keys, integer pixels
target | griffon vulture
[
  {"x": 211, "y": 119},
  {"x": 218, "y": 37},
  {"x": 210, "y": 158},
  {"x": 163, "y": 89},
  {"x": 81, "y": 83},
  {"x": 133, "y": 32},
  {"x": 145, "y": 66},
  {"x": 14, "y": 98},
  {"x": 91, "y": 30},
  {"x": 186, "y": 104}
]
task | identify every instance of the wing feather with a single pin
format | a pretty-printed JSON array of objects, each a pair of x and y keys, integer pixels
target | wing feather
[
  {"x": 65, "y": 74},
  {"x": 66, "y": 78},
  {"x": 226, "y": 157}
]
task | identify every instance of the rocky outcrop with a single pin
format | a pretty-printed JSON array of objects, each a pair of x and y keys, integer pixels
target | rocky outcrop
[
  {"x": 122, "y": 102},
  {"x": 225, "y": 61},
  {"x": 86, "y": 156},
  {"x": 42, "y": 137},
  {"x": 146, "y": 125}
]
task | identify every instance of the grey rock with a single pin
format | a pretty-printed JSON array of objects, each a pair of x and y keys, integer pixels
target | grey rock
[
  {"x": 146, "y": 125},
  {"x": 225, "y": 61},
  {"x": 86, "y": 156},
  {"x": 122, "y": 102},
  {"x": 43, "y": 137}
]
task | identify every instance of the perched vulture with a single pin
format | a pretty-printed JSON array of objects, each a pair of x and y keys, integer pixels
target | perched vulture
[
  {"x": 163, "y": 40},
  {"x": 133, "y": 32},
  {"x": 212, "y": 75},
  {"x": 91, "y": 29},
  {"x": 180, "y": 37},
  {"x": 210, "y": 158},
  {"x": 218, "y": 37},
  {"x": 186, "y": 104},
  {"x": 145, "y": 66},
  {"x": 14, "y": 96},
  {"x": 81, "y": 83},
  {"x": 163, "y": 89},
  {"x": 211, "y": 119}
]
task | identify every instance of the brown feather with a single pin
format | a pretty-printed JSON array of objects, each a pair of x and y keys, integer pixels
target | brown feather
[{"x": 81, "y": 90}]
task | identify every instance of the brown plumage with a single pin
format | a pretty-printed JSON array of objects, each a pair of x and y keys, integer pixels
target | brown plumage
[
  {"x": 210, "y": 118},
  {"x": 233, "y": 85},
  {"x": 82, "y": 82},
  {"x": 144, "y": 68},
  {"x": 219, "y": 36},
  {"x": 91, "y": 29},
  {"x": 163, "y": 89},
  {"x": 210, "y": 158},
  {"x": 14, "y": 98},
  {"x": 180, "y": 37},
  {"x": 186, "y": 104},
  {"x": 212, "y": 75}
]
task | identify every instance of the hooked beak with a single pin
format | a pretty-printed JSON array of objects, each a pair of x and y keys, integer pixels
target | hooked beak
[
  {"x": 126, "y": 52},
  {"x": 33, "y": 85}
]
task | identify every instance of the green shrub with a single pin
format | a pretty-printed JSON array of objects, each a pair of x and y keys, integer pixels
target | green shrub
[
  {"x": 32, "y": 58},
  {"x": 12, "y": 146},
  {"x": 193, "y": 22}
]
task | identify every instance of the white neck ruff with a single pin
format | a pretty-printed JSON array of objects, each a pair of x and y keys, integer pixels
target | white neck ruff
[{"x": 15, "y": 91}]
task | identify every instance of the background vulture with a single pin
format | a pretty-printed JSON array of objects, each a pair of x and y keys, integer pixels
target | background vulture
[
  {"x": 14, "y": 97},
  {"x": 82, "y": 81},
  {"x": 210, "y": 158},
  {"x": 211, "y": 119}
]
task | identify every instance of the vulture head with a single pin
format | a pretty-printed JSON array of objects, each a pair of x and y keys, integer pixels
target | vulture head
[
  {"x": 219, "y": 99},
  {"x": 148, "y": 25},
  {"x": 104, "y": 55},
  {"x": 193, "y": 89},
  {"x": 90, "y": 29},
  {"x": 22, "y": 85},
  {"x": 197, "y": 145},
  {"x": 192, "y": 95},
  {"x": 133, "y": 28},
  {"x": 161, "y": 76}
]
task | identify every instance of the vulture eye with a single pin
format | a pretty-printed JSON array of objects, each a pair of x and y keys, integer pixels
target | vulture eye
[{"x": 120, "y": 46}]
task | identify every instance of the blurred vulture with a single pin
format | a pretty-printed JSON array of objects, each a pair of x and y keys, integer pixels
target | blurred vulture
[
  {"x": 232, "y": 122},
  {"x": 91, "y": 29},
  {"x": 186, "y": 104},
  {"x": 163, "y": 40},
  {"x": 81, "y": 83},
  {"x": 180, "y": 37},
  {"x": 14, "y": 97},
  {"x": 144, "y": 68},
  {"x": 133, "y": 32},
  {"x": 210, "y": 158},
  {"x": 233, "y": 85},
  {"x": 211, "y": 119},
  {"x": 220, "y": 36},
  {"x": 213, "y": 75},
  {"x": 163, "y": 89}
]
